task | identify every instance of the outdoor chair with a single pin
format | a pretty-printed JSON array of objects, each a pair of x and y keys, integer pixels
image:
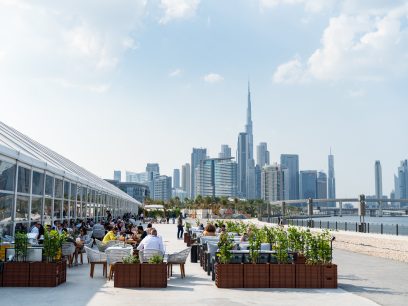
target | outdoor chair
[
  {"x": 89, "y": 243},
  {"x": 98, "y": 232},
  {"x": 177, "y": 258},
  {"x": 68, "y": 250},
  {"x": 114, "y": 255},
  {"x": 212, "y": 250},
  {"x": 103, "y": 246},
  {"x": 146, "y": 255},
  {"x": 265, "y": 246},
  {"x": 96, "y": 258}
]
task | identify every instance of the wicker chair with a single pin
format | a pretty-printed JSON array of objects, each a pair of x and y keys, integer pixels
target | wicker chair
[
  {"x": 103, "y": 246},
  {"x": 145, "y": 255},
  {"x": 96, "y": 258},
  {"x": 115, "y": 255},
  {"x": 68, "y": 250},
  {"x": 177, "y": 258},
  {"x": 98, "y": 232}
]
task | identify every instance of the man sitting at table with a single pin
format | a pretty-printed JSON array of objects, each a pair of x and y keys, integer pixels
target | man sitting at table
[
  {"x": 111, "y": 235},
  {"x": 152, "y": 242}
]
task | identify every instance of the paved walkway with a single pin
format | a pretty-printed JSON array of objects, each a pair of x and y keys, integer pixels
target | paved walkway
[{"x": 198, "y": 289}]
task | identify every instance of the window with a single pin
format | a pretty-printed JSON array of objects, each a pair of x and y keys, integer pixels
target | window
[
  {"x": 38, "y": 183},
  {"x": 57, "y": 209},
  {"x": 49, "y": 185},
  {"x": 65, "y": 210},
  {"x": 23, "y": 182},
  {"x": 6, "y": 204},
  {"x": 58, "y": 188},
  {"x": 22, "y": 208},
  {"x": 79, "y": 193},
  {"x": 73, "y": 191},
  {"x": 36, "y": 209},
  {"x": 7, "y": 176},
  {"x": 66, "y": 189},
  {"x": 47, "y": 210}
]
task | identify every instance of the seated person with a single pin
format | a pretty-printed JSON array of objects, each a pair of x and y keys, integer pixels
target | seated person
[
  {"x": 141, "y": 232},
  {"x": 223, "y": 229},
  {"x": 209, "y": 230},
  {"x": 152, "y": 242},
  {"x": 245, "y": 236},
  {"x": 149, "y": 228},
  {"x": 201, "y": 227},
  {"x": 111, "y": 235},
  {"x": 36, "y": 230}
]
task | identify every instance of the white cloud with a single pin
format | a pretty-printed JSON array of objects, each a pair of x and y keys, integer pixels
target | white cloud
[
  {"x": 175, "y": 73},
  {"x": 290, "y": 72},
  {"x": 365, "y": 46},
  {"x": 213, "y": 78},
  {"x": 178, "y": 9}
]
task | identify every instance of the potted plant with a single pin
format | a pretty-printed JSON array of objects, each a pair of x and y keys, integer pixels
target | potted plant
[
  {"x": 297, "y": 244},
  {"x": 329, "y": 270},
  {"x": 127, "y": 272},
  {"x": 227, "y": 274},
  {"x": 256, "y": 275},
  {"x": 16, "y": 273},
  {"x": 310, "y": 274},
  {"x": 283, "y": 274},
  {"x": 154, "y": 273},
  {"x": 187, "y": 233},
  {"x": 52, "y": 271}
]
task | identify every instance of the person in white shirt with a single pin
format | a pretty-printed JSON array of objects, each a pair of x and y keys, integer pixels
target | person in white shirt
[
  {"x": 152, "y": 242},
  {"x": 36, "y": 230}
]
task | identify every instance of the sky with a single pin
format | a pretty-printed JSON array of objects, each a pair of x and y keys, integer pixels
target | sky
[{"x": 117, "y": 84}]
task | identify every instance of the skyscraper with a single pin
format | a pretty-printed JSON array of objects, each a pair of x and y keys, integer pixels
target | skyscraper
[
  {"x": 185, "y": 178},
  {"x": 162, "y": 188},
  {"x": 216, "y": 177},
  {"x": 117, "y": 175},
  {"x": 225, "y": 151},
  {"x": 245, "y": 158},
  {"x": 401, "y": 182},
  {"x": 153, "y": 171},
  {"x": 262, "y": 154},
  {"x": 308, "y": 184},
  {"x": 291, "y": 162},
  {"x": 331, "y": 183},
  {"x": 176, "y": 178},
  {"x": 378, "y": 179},
  {"x": 322, "y": 187},
  {"x": 197, "y": 155},
  {"x": 273, "y": 183}
]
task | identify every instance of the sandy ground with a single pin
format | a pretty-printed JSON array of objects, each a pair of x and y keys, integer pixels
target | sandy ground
[{"x": 385, "y": 246}]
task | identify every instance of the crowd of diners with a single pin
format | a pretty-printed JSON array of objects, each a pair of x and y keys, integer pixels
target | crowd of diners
[{"x": 127, "y": 228}]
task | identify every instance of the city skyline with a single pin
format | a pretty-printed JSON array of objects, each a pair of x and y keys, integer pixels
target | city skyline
[{"x": 117, "y": 87}]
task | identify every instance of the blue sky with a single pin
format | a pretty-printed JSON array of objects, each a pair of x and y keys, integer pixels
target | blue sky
[{"x": 117, "y": 84}]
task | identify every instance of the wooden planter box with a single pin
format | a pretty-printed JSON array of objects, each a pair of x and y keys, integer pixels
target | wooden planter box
[
  {"x": 282, "y": 276},
  {"x": 256, "y": 275},
  {"x": 229, "y": 275},
  {"x": 16, "y": 274},
  {"x": 186, "y": 236},
  {"x": 308, "y": 276},
  {"x": 300, "y": 259},
  {"x": 127, "y": 275},
  {"x": 1, "y": 274},
  {"x": 62, "y": 276},
  {"x": 47, "y": 274},
  {"x": 153, "y": 275},
  {"x": 329, "y": 276}
]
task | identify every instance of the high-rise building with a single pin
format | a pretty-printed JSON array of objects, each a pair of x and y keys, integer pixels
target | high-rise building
[
  {"x": 153, "y": 171},
  {"x": 176, "y": 178},
  {"x": 331, "y": 181},
  {"x": 216, "y": 177},
  {"x": 136, "y": 190},
  {"x": 291, "y": 162},
  {"x": 273, "y": 183},
  {"x": 308, "y": 184},
  {"x": 262, "y": 154},
  {"x": 378, "y": 179},
  {"x": 197, "y": 155},
  {"x": 401, "y": 182},
  {"x": 322, "y": 187},
  {"x": 117, "y": 175},
  {"x": 225, "y": 151},
  {"x": 245, "y": 158},
  {"x": 258, "y": 182},
  {"x": 162, "y": 188},
  {"x": 185, "y": 178}
]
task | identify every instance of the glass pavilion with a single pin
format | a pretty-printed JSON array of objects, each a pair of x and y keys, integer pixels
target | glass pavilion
[{"x": 37, "y": 184}]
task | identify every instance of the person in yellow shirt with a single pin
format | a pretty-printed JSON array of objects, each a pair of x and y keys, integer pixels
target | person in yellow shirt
[{"x": 111, "y": 235}]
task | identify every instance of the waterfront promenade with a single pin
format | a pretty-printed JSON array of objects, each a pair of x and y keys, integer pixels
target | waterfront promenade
[{"x": 363, "y": 280}]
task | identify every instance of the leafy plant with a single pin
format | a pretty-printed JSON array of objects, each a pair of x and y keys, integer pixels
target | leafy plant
[
  {"x": 324, "y": 247},
  {"x": 188, "y": 226},
  {"x": 198, "y": 222},
  {"x": 52, "y": 244},
  {"x": 131, "y": 259},
  {"x": 254, "y": 244},
  {"x": 225, "y": 246},
  {"x": 282, "y": 244},
  {"x": 156, "y": 259},
  {"x": 21, "y": 246},
  {"x": 297, "y": 239}
]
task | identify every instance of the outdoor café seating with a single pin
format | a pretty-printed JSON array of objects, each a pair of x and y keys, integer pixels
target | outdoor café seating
[
  {"x": 177, "y": 258},
  {"x": 96, "y": 257}
]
